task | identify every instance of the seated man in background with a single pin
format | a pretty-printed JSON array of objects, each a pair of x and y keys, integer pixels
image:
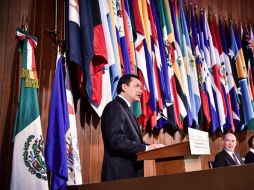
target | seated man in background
[
  {"x": 249, "y": 158},
  {"x": 227, "y": 157}
]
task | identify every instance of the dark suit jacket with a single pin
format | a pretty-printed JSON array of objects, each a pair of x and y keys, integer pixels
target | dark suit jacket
[
  {"x": 249, "y": 157},
  {"x": 122, "y": 140},
  {"x": 223, "y": 159}
]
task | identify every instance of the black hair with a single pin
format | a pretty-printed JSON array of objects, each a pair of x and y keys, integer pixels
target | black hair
[
  {"x": 250, "y": 141},
  {"x": 125, "y": 79}
]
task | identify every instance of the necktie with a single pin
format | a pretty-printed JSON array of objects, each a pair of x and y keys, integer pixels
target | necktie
[{"x": 236, "y": 160}]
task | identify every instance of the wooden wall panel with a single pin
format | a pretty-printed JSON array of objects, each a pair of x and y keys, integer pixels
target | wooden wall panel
[
  {"x": 4, "y": 5},
  {"x": 244, "y": 12},
  {"x": 46, "y": 59},
  {"x": 204, "y": 4},
  {"x": 9, "y": 83},
  {"x": 100, "y": 153},
  {"x": 248, "y": 4},
  {"x": 224, "y": 8},
  {"x": 82, "y": 142},
  {"x": 229, "y": 10},
  {"x": 94, "y": 152},
  {"x": 239, "y": 5},
  {"x": 39, "y": 16},
  {"x": 252, "y": 8},
  {"x": 214, "y": 5},
  {"x": 234, "y": 10}
]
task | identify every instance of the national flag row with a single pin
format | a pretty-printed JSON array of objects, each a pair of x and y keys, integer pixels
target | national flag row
[{"x": 194, "y": 70}]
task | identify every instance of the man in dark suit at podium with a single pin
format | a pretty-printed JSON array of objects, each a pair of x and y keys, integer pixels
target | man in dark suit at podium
[
  {"x": 227, "y": 157},
  {"x": 121, "y": 133}
]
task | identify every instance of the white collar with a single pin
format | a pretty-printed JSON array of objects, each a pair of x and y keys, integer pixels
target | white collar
[
  {"x": 128, "y": 103},
  {"x": 229, "y": 152},
  {"x": 252, "y": 150}
]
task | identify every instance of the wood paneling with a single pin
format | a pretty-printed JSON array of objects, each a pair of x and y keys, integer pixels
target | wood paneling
[
  {"x": 39, "y": 15},
  {"x": 8, "y": 80}
]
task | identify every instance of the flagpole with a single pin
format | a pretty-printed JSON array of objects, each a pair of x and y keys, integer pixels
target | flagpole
[
  {"x": 50, "y": 179},
  {"x": 55, "y": 17},
  {"x": 54, "y": 31},
  {"x": 64, "y": 25},
  {"x": 64, "y": 10}
]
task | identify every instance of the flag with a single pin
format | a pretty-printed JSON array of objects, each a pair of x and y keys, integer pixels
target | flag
[
  {"x": 86, "y": 46},
  {"x": 105, "y": 15},
  {"x": 195, "y": 100},
  {"x": 215, "y": 67},
  {"x": 131, "y": 19},
  {"x": 141, "y": 56},
  {"x": 121, "y": 38},
  {"x": 242, "y": 79},
  {"x": 249, "y": 60},
  {"x": 156, "y": 62},
  {"x": 229, "y": 125},
  {"x": 251, "y": 37},
  {"x": 128, "y": 34},
  {"x": 162, "y": 64},
  {"x": 74, "y": 45},
  {"x": 28, "y": 166},
  {"x": 179, "y": 107},
  {"x": 245, "y": 85},
  {"x": 56, "y": 150},
  {"x": 238, "y": 126},
  {"x": 209, "y": 58},
  {"x": 175, "y": 15},
  {"x": 115, "y": 69},
  {"x": 230, "y": 79},
  {"x": 71, "y": 138},
  {"x": 201, "y": 69},
  {"x": 176, "y": 62},
  {"x": 247, "y": 95},
  {"x": 106, "y": 95},
  {"x": 167, "y": 54},
  {"x": 160, "y": 68},
  {"x": 94, "y": 69},
  {"x": 151, "y": 107},
  {"x": 163, "y": 88}
]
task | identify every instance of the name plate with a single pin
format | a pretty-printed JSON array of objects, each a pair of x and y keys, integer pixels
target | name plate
[{"x": 199, "y": 142}]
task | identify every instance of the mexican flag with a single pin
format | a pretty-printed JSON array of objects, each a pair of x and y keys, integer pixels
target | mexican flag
[{"x": 28, "y": 165}]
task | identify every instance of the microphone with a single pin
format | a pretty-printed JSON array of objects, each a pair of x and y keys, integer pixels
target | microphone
[{"x": 181, "y": 131}]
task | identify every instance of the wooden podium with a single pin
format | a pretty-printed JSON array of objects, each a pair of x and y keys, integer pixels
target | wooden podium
[{"x": 175, "y": 158}]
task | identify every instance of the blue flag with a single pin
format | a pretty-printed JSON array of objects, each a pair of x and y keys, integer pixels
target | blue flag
[
  {"x": 58, "y": 124},
  {"x": 245, "y": 96}
]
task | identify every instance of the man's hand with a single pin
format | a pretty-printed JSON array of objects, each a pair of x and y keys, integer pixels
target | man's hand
[{"x": 154, "y": 146}]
